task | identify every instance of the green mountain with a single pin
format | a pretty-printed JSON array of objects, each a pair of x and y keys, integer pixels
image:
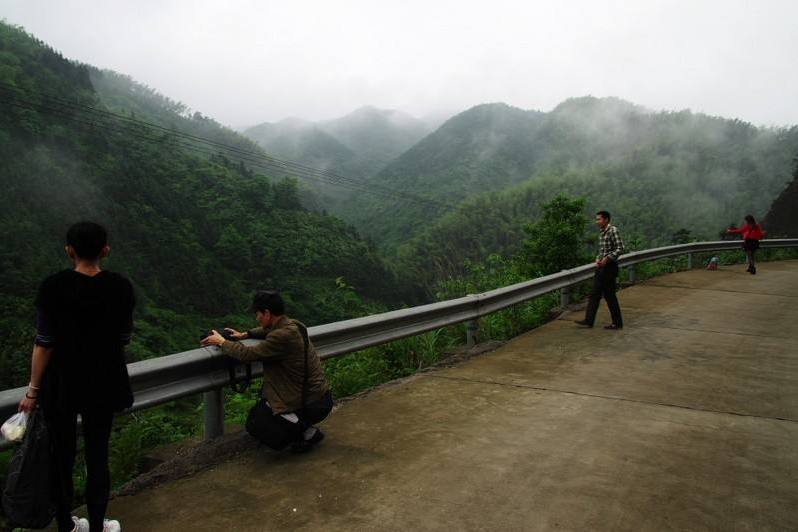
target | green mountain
[
  {"x": 376, "y": 136},
  {"x": 697, "y": 171},
  {"x": 303, "y": 142},
  {"x": 357, "y": 145},
  {"x": 197, "y": 231}
]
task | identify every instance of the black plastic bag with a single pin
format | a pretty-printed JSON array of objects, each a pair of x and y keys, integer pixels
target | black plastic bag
[{"x": 26, "y": 498}]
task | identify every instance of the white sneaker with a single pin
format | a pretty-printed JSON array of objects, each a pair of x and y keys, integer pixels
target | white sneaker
[
  {"x": 81, "y": 525},
  {"x": 111, "y": 525}
]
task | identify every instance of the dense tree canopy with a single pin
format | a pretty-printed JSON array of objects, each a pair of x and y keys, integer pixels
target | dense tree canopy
[{"x": 196, "y": 232}]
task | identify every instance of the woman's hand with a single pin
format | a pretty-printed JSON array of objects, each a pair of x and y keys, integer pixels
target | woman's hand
[
  {"x": 235, "y": 335},
  {"x": 39, "y": 360},
  {"x": 27, "y": 404}
]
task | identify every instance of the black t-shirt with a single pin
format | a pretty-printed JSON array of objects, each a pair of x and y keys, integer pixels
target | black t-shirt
[{"x": 88, "y": 321}]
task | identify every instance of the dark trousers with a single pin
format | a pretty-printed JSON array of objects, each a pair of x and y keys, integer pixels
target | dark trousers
[
  {"x": 604, "y": 285},
  {"x": 96, "y": 434},
  {"x": 750, "y": 246},
  {"x": 316, "y": 412},
  {"x": 751, "y": 254},
  {"x": 277, "y": 432}
]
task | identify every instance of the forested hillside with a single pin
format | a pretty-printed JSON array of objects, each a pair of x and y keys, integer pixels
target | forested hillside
[
  {"x": 302, "y": 142},
  {"x": 690, "y": 170},
  {"x": 195, "y": 231},
  {"x": 198, "y": 227},
  {"x": 782, "y": 219},
  {"x": 123, "y": 95},
  {"x": 356, "y": 145},
  {"x": 650, "y": 212}
]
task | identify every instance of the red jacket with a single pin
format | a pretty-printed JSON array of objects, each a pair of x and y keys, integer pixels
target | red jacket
[{"x": 753, "y": 232}]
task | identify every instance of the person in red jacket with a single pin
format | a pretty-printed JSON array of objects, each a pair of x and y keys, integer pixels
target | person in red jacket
[{"x": 752, "y": 233}]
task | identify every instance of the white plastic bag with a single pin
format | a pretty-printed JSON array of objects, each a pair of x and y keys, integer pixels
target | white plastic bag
[{"x": 14, "y": 428}]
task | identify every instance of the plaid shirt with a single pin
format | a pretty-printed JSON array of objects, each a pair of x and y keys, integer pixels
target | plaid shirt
[{"x": 610, "y": 243}]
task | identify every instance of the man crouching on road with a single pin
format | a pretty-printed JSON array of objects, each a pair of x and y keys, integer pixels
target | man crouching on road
[{"x": 295, "y": 395}]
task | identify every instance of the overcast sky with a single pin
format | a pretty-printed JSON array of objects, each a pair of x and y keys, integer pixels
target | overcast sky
[{"x": 243, "y": 62}]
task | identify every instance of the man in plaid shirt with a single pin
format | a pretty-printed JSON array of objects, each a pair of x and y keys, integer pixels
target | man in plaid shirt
[{"x": 604, "y": 281}]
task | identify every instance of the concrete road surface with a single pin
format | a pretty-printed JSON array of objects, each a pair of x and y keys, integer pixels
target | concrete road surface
[{"x": 685, "y": 420}]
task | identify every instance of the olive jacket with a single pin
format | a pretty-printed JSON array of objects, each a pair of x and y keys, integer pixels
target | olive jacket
[{"x": 282, "y": 353}]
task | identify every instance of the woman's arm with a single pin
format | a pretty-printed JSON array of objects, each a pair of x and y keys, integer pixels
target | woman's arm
[{"x": 39, "y": 360}]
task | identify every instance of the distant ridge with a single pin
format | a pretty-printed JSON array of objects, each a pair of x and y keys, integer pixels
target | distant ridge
[
  {"x": 358, "y": 144},
  {"x": 701, "y": 169}
]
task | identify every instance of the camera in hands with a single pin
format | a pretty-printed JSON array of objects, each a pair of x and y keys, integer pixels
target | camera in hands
[{"x": 227, "y": 335}]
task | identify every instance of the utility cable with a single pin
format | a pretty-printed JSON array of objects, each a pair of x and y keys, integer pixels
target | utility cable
[
  {"x": 169, "y": 139},
  {"x": 264, "y": 161}
]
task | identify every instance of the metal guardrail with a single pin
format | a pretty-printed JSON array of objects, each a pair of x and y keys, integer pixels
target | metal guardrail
[{"x": 160, "y": 380}]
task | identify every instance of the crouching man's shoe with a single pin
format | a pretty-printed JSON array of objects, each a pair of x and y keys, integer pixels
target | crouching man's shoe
[{"x": 308, "y": 444}]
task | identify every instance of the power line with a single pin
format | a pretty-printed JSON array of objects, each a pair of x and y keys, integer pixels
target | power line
[
  {"x": 177, "y": 142},
  {"x": 263, "y": 161},
  {"x": 171, "y": 140},
  {"x": 138, "y": 127}
]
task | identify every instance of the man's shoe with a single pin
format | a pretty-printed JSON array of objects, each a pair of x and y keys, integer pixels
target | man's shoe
[
  {"x": 584, "y": 323},
  {"x": 81, "y": 524},
  {"x": 753, "y": 270},
  {"x": 613, "y": 327},
  {"x": 306, "y": 445}
]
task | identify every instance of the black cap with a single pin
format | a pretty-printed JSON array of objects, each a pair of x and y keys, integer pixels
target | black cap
[{"x": 270, "y": 300}]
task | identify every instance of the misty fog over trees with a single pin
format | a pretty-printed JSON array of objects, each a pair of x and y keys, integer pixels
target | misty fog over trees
[{"x": 185, "y": 215}]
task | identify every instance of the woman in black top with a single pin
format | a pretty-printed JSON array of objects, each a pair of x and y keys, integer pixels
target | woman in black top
[{"x": 84, "y": 320}]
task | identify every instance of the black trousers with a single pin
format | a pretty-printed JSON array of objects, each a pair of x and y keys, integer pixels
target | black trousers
[
  {"x": 605, "y": 285},
  {"x": 750, "y": 246},
  {"x": 96, "y": 434},
  {"x": 316, "y": 412},
  {"x": 277, "y": 432}
]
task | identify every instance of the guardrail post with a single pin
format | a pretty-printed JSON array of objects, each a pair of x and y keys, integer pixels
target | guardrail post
[
  {"x": 214, "y": 413},
  {"x": 565, "y": 296},
  {"x": 689, "y": 261},
  {"x": 632, "y": 277},
  {"x": 471, "y": 333}
]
